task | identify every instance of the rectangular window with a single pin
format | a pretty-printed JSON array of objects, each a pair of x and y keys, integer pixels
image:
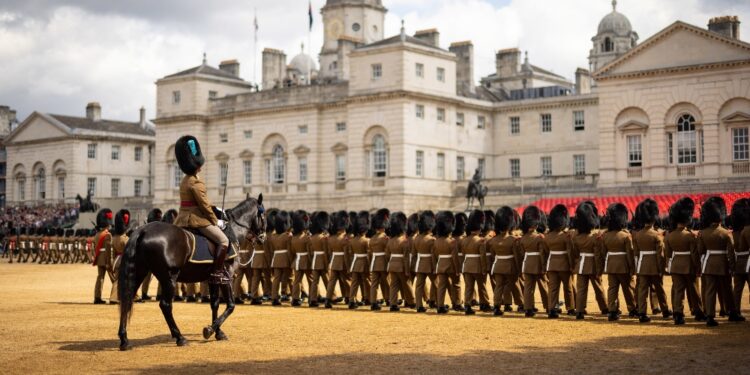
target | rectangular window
[
  {"x": 303, "y": 129},
  {"x": 91, "y": 151},
  {"x": 419, "y": 111},
  {"x": 579, "y": 165},
  {"x": 459, "y": 119},
  {"x": 635, "y": 151},
  {"x": 115, "y": 152},
  {"x": 115, "y": 186},
  {"x": 137, "y": 188},
  {"x": 91, "y": 186},
  {"x": 578, "y": 121},
  {"x": 61, "y": 187},
  {"x": 302, "y": 169},
  {"x": 515, "y": 125},
  {"x": 515, "y": 168},
  {"x": 340, "y": 167},
  {"x": 340, "y": 127},
  {"x": 441, "y": 74},
  {"x": 248, "y": 134},
  {"x": 546, "y": 165},
  {"x": 268, "y": 170},
  {"x": 247, "y": 169},
  {"x": 687, "y": 147},
  {"x": 740, "y": 144},
  {"x": 481, "y": 122},
  {"x": 419, "y": 70},
  {"x": 176, "y": 175},
  {"x": 546, "y": 120},
  {"x": 700, "y": 140},
  {"x": 670, "y": 148},
  {"x": 441, "y": 114},
  {"x": 480, "y": 166},
  {"x": 223, "y": 169},
  {"x": 21, "y": 190},
  {"x": 460, "y": 168},
  {"x": 212, "y": 94},
  {"x": 176, "y": 97},
  {"x": 419, "y": 167},
  {"x": 138, "y": 153},
  {"x": 377, "y": 71},
  {"x": 441, "y": 166},
  {"x": 223, "y": 138}
]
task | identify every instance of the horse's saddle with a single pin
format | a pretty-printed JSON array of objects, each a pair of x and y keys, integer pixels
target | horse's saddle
[{"x": 202, "y": 250}]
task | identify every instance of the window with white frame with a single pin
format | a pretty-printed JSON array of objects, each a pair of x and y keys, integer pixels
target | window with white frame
[
  {"x": 419, "y": 70},
  {"x": 223, "y": 170},
  {"x": 377, "y": 71},
  {"x": 480, "y": 166},
  {"x": 441, "y": 74},
  {"x": 137, "y": 188},
  {"x": 419, "y": 109},
  {"x": 515, "y": 125},
  {"x": 460, "y": 168},
  {"x": 341, "y": 167},
  {"x": 176, "y": 175},
  {"x": 91, "y": 151},
  {"x": 247, "y": 172},
  {"x": 302, "y": 163},
  {"x": 223, "y": 137},
  {"x": 546, "y": 121},
  {"x": 579, "y": 165},
  {"x": 419, "y": 166},
  {"x": 379, "y": 156},
  {"x": 579, "y": 123},
  {"x": 740, "y": 144},
  {"x": 248, "y": 134},
  {"x": 279, "y": 165},
  {"x": 21, "y": 189},
  {"x": 441, "y": 114},
  {"x": 635, "y": 151},
  {"x": 60, "y": 187},
  {"x": 176, "y": 97},
  {"x": 546, "y": 165},
  {"x": 670, "y": 148},
  {"x": 138, "y": 153},
  {"x": 41, "y": 184},
  {"x": 91, "y": 185},
  {"x": 460, "y": 119},
  {"x": 687, "y": 141},
  {"x": 340, "y": 127},
  {"x": 441, "y": 165},
  {"x": 268, "y": 170},
  {"x": 481, "y": 122},
  {"x": 115, "y": 152},
  {"x": 115, "y": 187},
  {"x": 515, "y": 168}
]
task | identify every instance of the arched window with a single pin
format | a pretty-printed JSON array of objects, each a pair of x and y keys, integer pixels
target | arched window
[
  {"x": 608, "y": 45},
  {"x": 279, "y": 166},
  {"x": 379, "y": 156},
  {"x": 41, "y": 183},
  {"x": 687, "y": 144}
]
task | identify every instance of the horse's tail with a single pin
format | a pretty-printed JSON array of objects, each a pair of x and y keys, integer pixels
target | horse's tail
[{"x": 127, "y": 276}]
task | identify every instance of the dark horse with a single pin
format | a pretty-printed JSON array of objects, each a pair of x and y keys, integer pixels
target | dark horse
[
  {"x": 164, "y": 249},
  {"x": 85, "y": 204},
  {"x": 475, "y": 191}
]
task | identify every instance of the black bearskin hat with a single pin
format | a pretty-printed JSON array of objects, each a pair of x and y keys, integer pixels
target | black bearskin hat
[
  {"x": 122, "y": 222},
  {"x": 647, "y": 211},
  {"x": 154, "y": 215},
  {"x": 103, "y": 218},
  {"x": 739, "y": 215},
  {"x": 412, "y": 225},
  {"x": 713, "y": 211},
  {"x": 681, "y": 212},
  {"x": 505, "y": 219},
  {"x": 617, "y": 216},
  {"x": 299, "y": 222},
  {"x": 531, "y": 217},
  {"x": 69, "y": 232},
  {"x": 320, "y": 222},
  {"x": 558, "y": 218},
  {"x": 341, "y": 221},
  {"x": 460, "y": 227},
  {"x": 426, "y": 222},
  {"x": 271, "y": 219},
  {"x": 188, "y": 153},
  {"x": 362, "y": 224},
  {"x": 476, "y": 221},
  {"x": 445, "y": 223},
  {"x": 169, "y": 216},
  {"x": 398, "y": 224},
  {"x": 352, "y": 222},
  {"x": 282, "y": 222},
  {"x": 587, "y": 217},
  {"x": 381, "y": 220},
  {"x": 489, "y": 221}
]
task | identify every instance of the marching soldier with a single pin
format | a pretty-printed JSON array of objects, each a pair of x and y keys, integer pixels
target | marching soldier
[
  {"x": 260, "y": 263},
  {"x": 459, "y": 233},
  {"x": 423, "y": 248},
  {"x": 397, "y": 252},
  {"x": 338, "y": 255},
  {"x": 243, "y": 271},
  {"x": 359, "y": 268},
  {"x": 102, "y": 246},
  {"x": 445, "y": 258},
  {"x": 681, "y": 250},
  {"x": 300, "y": 247},
  {"x": 474, "y": 265},
  {"x": 319, "y": 249},
  {"x": 153, "y": 215},
  {"x": 506, "y": 256},
  {"x": 649, "y": 252},
  {"x": 281, "y": 261},
  {"x": 488, "y": 232},
  {"x": 716, "y": 247},
  {"x": 619, "y": 263},
  {"x": 535, "y": 252},
  {"x": 119, "y": 240},
  {"x": 587, "y": 254},
  {"x": 740, "y": 220},
  {"x": 378, "y": 259},
  {"x": 559, "y": 261}
]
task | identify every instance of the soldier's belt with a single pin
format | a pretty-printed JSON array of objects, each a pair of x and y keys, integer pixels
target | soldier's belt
[
  {"x": 606, "y": 260},
  {"x": 356, "y": 256},
  {"x": 558, "y": 253},
  {"x": 397, "y": 255},
  {"x": 472, "y": 255},
  {"x": 378, "y": 254},
  {"x": 337, "y": 253},
  {"x": 318, "y": 252},
  {"x": 674, "y": 254},
  {"x": 708, "y": 254},
  {"x": 640, "y": 259},
  {"x": 243, "y": 251},
  {"x": 445, "y": 256},
  {"x": 333, "y": 256},
  {"x": 499, "y": 257},
  {"x": 526, "y": 255},
  {"x": 280, "y": 251},
  {"x": 742, "y": 254},
  {"x": 583, "y": 261}
]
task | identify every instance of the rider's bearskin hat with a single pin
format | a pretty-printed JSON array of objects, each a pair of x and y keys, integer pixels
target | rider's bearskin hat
[
  {"x": 617, "y": 216},
  {"x": 381, "y": 220},
  {"x": 426, "y": 221},
  {"x": 558, "y": 218},
  {"x": 445, "y": 223},
  {"x": 188, "y": 153},
  {"x": 104, "y": 218},
  {"x": 122, "y": 222}
]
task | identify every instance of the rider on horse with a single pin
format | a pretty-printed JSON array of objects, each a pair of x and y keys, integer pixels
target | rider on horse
[{"x": 195, "y": 208}]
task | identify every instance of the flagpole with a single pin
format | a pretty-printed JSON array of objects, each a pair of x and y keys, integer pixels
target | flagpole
[
  {"x": 255, "y": 48},
  {"x": 309, "y": 44}
]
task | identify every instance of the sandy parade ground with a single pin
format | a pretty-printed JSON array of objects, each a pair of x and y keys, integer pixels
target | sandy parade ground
[{"x": 49, "y": 325}]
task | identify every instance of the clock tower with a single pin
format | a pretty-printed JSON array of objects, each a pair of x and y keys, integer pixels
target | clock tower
[{"x": 354, "y": 21}]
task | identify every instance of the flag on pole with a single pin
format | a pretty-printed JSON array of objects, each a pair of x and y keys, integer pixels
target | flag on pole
[
  {"x": 255, "y": 24},
  {"x": 311, "y": 15}
]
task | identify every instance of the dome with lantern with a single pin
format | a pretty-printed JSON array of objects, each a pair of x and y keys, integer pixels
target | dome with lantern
[{"x": 615, "y": 23}]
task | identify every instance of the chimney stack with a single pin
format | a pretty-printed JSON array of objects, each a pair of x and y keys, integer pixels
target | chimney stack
[
  {"x": 94, "y": 111},
  {"x": 729, "y": 26},
  {"x": 274, "y": 68},
  {"x": 464, "y": 67},
  {"x": 431, "y": 36},
  {"x": 507, "y": 62},
  {"x": 142, "y": 122},
  {"x": 230, "y": 66},
  {"x": 583, "y": 81}
]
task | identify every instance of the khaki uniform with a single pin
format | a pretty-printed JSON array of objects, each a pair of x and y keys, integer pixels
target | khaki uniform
[
  {"x": 359, "y": 268},
  {"x": 378, "y": 266},
  {"x": 741, "y": 265},
  {"x": 319, "y": 262},
  {"x": 649, "y": 265},
  {"x": 243, "y": 270},
  {"x": 118, "y": 247},
  {"x": 300, "y": 248},
  {"x": 423, "y": 265},
  {"x": 619, "y": 265},
  {"x": 683, "y": 261},
  {"x": 103, "y": 245},
  {"x": 281, "y": 261},
  {"x": 533, "y": 265},
  {"x": 338, "y": 264},
  {"x": 587, "y": 254},
  {"x": 398, "y": 252},
  {"x": 716, "y": 247},
  {"x": 260, "y": 264},
  {"x": 559, "y": 268},
  {"x": 473, "y": 267},
  {"x": 446, "y": 264},
  {"x": 455, "y": 279},
  {"x": 505, "y": 266}
]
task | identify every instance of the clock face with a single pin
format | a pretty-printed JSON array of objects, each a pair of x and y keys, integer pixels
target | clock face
[{"x": 334, "y": 28}]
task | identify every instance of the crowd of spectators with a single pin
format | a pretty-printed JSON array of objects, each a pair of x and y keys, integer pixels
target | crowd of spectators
[{"x": 54, "y": 215}]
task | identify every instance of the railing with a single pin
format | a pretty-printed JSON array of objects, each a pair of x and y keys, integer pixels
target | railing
[
  {"x": 742, "y": 167},
  {"x": 532, "y": 185},
  {"x": 685, "y": 171},
  {"x": 636, "y": 172}
]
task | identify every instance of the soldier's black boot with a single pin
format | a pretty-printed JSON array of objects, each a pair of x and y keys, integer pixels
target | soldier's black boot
[
  {"x": 520, "y": 308},
  {"x": 613, "y": 317},
  {"x": 255, "y": 301},
  {"x": 656, "y": 311},
  {"x": 395, "y": 308},
  {"x": 508, "y": 308},
  {"x": 375, "y": 307},
  {"x": 485, "y": 307},
  {"x": 700, "y": 316},
  {"x": 666, "y": 314},
  {"x": 296, "y": 302},
  {"x": 644, "y": 318},
  {"x": 353, "y": 305},
  {"x": 498, "y": 311},
  {"x": 530, "y": 313},
  {"x": 679, "y": 318},
  {"x": 457, "y": 307},
  {"x": 329, "y": 305},
  {"x": 553, "y": 314},
  {"x": 99, "y": 301},
  {"x": 468, "y": 310},
  {"x": 421, "y": 309},
  {"x": 431, "y": 304},
  {"x": 736, "y": 317},
  {"x": 312, "y": 303},
  {"x": 722, "y": 313},
  {"x": 239, "y": 301},
  {"x": 711, "y": 322},
  {"x": 276, "y": 302},
  {"x": 579, "y": 316},
  {"x": 442, "y": 310},
  {"x": 633, "y": 314},
  {"x": 571, "y": 312}
]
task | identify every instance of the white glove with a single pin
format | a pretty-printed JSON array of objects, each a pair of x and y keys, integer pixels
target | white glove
[{"x": 221, "y": 224}]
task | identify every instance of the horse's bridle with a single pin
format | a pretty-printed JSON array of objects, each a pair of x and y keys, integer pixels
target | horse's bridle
[{"x": 249, "y": 235}]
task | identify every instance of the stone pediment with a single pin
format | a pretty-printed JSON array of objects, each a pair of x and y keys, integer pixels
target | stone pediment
[
  {"x": 632, "y": 125},
  {"x": 247, "y": 154},
  {"x": 339, "y": 147},
  {"x": 221, "y": 156},
  {"x": 736, "y": 117},
  {"x": 301, "y": 150},
  {"x": 680, "y": 45},
  {"x": 36, "y": 127}
]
